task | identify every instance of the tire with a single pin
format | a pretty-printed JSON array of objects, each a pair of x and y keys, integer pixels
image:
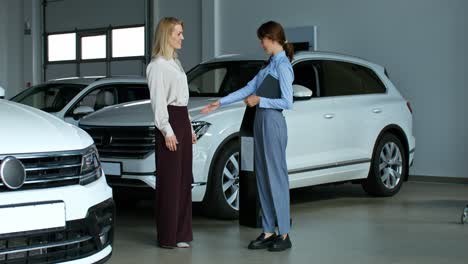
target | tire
[
  {"x": 389, "y": 167},
  {"x": 223, "y": 203}
]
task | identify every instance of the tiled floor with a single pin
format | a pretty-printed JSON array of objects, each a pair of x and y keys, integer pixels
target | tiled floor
[{"x": 331, "y": 224}]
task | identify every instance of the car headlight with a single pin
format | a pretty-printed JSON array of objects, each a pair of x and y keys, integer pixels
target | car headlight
[
  {"x": 200, "y": 128},
  {"x": 90, "y": 166}
]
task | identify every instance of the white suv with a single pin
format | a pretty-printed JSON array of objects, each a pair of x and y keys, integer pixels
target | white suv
[
  {"x": 55, "y": 204},
  {"x": 348, "y": 123},
  {"x": 72, "y": 98}
]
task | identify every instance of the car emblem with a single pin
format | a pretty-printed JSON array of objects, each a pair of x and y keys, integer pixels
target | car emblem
[{"x": 12, "y": 173}]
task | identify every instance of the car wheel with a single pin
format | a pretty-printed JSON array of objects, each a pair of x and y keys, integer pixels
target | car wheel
[
  {"x": 222, "y": 199},
  {"x": 389, "y": 167}
]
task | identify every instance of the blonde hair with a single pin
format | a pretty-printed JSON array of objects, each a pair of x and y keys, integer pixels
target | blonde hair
[{"x": 161, "y": 37}]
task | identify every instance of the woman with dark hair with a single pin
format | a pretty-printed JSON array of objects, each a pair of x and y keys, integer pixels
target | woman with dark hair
[{"x": 270, "y": 135}]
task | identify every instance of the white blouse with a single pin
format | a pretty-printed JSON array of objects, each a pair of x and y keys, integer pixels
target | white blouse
[{"x": 168, "y": 86}]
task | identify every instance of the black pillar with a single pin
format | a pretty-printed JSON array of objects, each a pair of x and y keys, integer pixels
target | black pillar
[{"x": 249, "y": 204}]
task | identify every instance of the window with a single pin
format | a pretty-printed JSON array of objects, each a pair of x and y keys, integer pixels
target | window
[
  {"x": 49, "y": 98},
  {"x": 372, "y": 83},
  {"x": 220, "y": 79},
  {"x": 208, "y": 81},
  {"x": 342, "y": 78},
  {"x": 306, "y": 74},
  {"x": 129, "y": 93},
  {"x": 111, "y": 95},
  {"x": 61, "y": 47},
  {"x": 93, "y": 47},
  {"x": 239, "y": 75},
  {"x": 99, "y": 98},
  {"x": 96, "y": 51},
  {"x": 128, "y": 42}
]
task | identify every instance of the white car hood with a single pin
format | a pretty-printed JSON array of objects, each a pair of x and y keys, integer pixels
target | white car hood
[
  {"x": 138, "y": 113},
  {"x": 28, "y": 130}
]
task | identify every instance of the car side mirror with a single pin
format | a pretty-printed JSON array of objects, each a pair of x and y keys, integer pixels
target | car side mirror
[
  {"x": 2, "y": 93},
  {"x": 301, "y": 92},
  {"x": 81, "y": 111}
]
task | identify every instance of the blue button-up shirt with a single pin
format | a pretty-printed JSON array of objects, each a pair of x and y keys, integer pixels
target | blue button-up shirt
[{"x": 281, "y": 69}]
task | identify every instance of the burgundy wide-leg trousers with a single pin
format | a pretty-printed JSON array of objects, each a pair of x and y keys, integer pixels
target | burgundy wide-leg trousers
[{"x": 174, "y": 181}]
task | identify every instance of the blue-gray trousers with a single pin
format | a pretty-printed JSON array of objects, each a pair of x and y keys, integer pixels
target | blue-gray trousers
[{"x": 271, "y": 137}]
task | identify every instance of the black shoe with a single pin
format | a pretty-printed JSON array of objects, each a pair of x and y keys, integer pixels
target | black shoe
[
  {"x": 280, "y": 244},
  {"x": 165, "y": 246},
  {"x": 261, "y": 242}
]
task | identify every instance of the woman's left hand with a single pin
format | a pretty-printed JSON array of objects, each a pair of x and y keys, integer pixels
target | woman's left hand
[
  {"x": 194, "y": 138},
  {"x": 252, "y": 100}
]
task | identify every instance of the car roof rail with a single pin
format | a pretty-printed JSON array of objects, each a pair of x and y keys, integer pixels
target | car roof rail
[{"x": 124, "y": 76}]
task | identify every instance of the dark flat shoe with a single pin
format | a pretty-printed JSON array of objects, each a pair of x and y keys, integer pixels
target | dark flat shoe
[
  {"x": 280, "y": 244},
  {"x": 166, "y": 246},
  {"x": 261, "y": 242}
]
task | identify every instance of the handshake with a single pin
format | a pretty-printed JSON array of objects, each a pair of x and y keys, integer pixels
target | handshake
[{"x": 250, "y": 101}]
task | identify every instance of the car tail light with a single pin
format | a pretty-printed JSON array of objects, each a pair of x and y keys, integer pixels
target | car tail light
[{"x": 408, "y": 104}]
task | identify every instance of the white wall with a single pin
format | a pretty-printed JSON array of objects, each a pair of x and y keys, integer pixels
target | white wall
[
  {"x": 11, "y": 46},
  {"x": 422, "y": 43}
]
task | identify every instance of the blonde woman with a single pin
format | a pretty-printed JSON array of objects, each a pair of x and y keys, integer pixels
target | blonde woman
[{"x": 174, "y": 137}]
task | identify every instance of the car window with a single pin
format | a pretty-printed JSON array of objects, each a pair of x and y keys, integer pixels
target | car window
[
  {"x": 99, "y": 98},
  {"x": 113, "y": 94},
  {"x": 49, "y": 97},
  {"x": 132, "y": 92},
  {"x": 220, "y": 79},
  {"x": 342, "y": 78},
  {"x": 306, "y": 74},
  {"x": 372, "y": 83},
  {"x": 238, "y": 76},
  {"x": 208, "y": 82}
]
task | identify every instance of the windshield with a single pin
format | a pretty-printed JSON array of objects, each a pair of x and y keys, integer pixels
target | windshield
[
  {"x": 220, "y": 79},
  {"x": 49, "y": 97}
]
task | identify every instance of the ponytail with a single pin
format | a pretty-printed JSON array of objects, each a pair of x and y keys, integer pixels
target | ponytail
[{"x": 289, "y": 49}]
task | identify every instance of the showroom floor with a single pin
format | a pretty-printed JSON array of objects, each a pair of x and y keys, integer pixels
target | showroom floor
[{"x": 331, "y": 224}]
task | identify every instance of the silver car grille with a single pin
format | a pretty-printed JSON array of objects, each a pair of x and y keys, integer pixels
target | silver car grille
[
  {"x": 123, "y": 142},
  {"x": 48, "y": 169}
]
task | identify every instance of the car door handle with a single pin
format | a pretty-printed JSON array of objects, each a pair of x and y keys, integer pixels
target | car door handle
[
  {"x": 376, "y": 110},
  {"x": 329, "y": 116}
]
